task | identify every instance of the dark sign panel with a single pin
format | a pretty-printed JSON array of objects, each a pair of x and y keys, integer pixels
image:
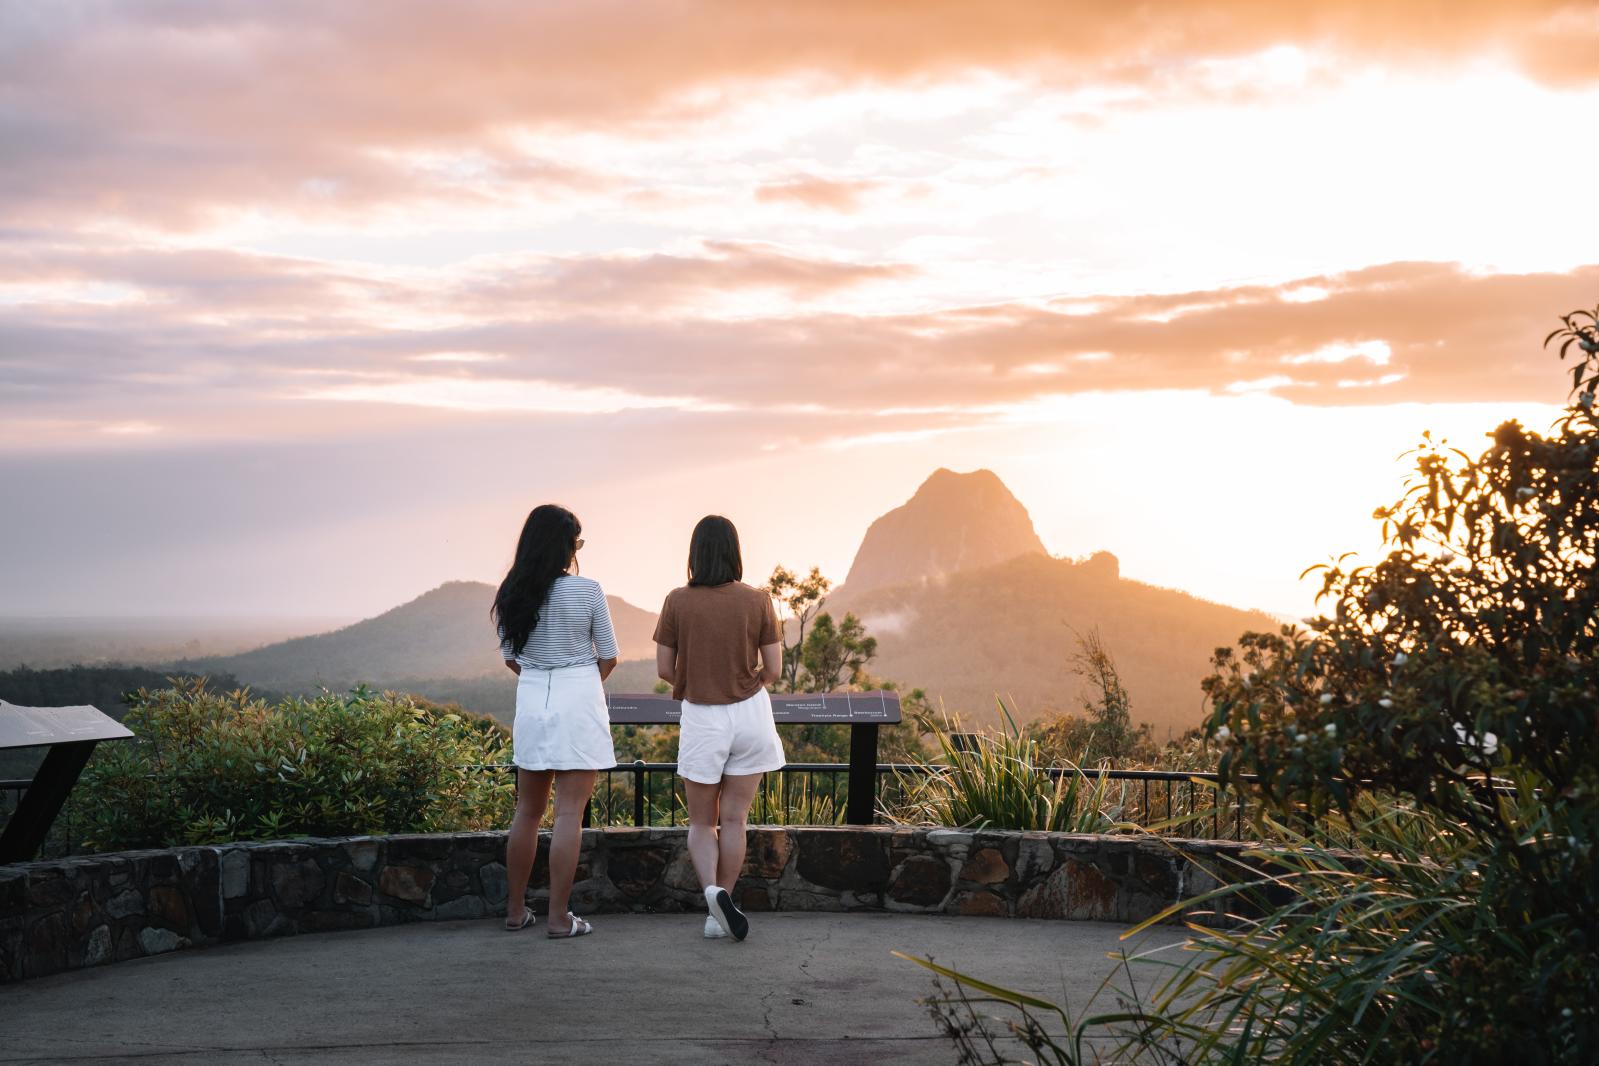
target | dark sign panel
[
  {"x": 862, "y": 708},
  {"x": 27, "y": 727}
]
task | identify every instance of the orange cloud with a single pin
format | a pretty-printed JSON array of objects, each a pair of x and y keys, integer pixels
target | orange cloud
[
  {"x": 160, "y": 112},
  {"x": 822, "y": 193},
  {"x": 248, "y": 331}
]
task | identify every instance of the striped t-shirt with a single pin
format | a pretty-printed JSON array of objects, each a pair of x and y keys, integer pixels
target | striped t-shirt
[{"x": 574, "y": 628}]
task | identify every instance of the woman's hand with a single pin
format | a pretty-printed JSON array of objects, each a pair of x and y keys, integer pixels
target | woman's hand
[
  {"x": 606, "y": 666},
  {"x": 514, "y": 667}
]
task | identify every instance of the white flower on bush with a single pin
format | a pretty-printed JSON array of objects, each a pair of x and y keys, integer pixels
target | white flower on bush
[
  {"x": 1524, "y": 493},
  {"x": 1331, "y": 729},
  {"x": 1385, "y": 703},
  {"x": 1327, "y": 698},
  {"x": 1489, "y": 743},
  {"x": 1222, "y": 733},
  {"x": 1400, "y": 658}
]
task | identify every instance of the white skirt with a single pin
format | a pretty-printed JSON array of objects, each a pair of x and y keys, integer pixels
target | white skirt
[{"x": 561, "y": 720}]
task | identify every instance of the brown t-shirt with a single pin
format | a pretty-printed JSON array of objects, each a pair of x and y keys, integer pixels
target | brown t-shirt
[{"x": 718, "y": 632}]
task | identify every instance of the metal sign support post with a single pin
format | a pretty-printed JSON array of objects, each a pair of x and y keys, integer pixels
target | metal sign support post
[
  {"x": 862, "y": 806},
  {"x": 71, "y": 734},
  {"x": 36, "y": 812}
]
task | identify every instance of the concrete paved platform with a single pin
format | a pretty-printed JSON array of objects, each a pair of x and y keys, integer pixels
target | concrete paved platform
[{"x": 644, "y": 988}]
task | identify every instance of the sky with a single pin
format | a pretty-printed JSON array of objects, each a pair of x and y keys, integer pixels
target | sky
[{"x": 303, "y": 306}]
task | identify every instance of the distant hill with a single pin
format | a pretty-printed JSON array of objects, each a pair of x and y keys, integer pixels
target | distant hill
[
  {"x": 1008, "y": 630},
  {"x": 954, "y": 522},
  {"x": 445, "y": 633}
]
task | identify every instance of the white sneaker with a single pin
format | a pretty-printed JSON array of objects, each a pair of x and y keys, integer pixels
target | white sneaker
[
  {"x": 729, "y": 917},
  {"x": 713, "y": 929}
]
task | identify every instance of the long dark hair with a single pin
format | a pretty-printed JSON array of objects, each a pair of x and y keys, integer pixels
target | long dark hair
[
  {"x": 713, "y": 555},
  {"x": 547, "y": 546}
]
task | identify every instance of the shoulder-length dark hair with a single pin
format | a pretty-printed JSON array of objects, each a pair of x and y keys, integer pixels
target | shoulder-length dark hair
[
  {"x": 548, "y": 545},
  {"x": 713, "y": 555}
]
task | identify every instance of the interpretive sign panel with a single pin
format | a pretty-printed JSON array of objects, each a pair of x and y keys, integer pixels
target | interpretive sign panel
[
  {"x": 28, "y": 727},
  {"x": 845, "y": 708},
  {"x": 71, "y": 734}
]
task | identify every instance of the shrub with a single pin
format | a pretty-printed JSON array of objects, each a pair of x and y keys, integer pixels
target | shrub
[
  {"x": 1429, "y": 750},
  {"x": 208, "y": 767}
]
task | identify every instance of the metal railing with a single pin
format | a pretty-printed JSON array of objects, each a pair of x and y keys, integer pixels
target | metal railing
[
  {"x": 651, "y": 794},
  {"x": 63, "y": 838}
]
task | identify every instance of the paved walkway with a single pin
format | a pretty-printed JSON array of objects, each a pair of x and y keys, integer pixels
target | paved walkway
[{"x": 643, "y": 989}]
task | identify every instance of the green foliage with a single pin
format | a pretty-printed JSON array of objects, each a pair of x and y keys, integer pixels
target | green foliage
[
  {"x": 1338, "y": 947},
  {"x": 1381, "y": 939},
  {"x": 1429, "y": 753},
  {"x": 995, "y": 780},
  {"x": 829, "y": 651},
  {"x": 209, "y": 767}
]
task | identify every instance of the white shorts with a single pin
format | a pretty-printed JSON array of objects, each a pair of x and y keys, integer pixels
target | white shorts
[
  {"x": 722, "y": 739},
  {"x": 561, "y": 720}
]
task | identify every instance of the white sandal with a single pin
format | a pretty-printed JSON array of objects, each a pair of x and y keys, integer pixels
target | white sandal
[{"x": 578, "y": 928}]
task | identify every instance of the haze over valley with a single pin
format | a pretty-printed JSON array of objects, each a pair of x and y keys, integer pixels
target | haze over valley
[{"x": 955, "y": 584}]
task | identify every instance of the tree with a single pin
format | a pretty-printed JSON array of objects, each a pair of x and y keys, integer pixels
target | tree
[
  {"x": 802, "y": 597},
  {"x": 1458, "y": 677},
  {"x": 1105, "y": 729},
  {"x": 830, "y": 650}
]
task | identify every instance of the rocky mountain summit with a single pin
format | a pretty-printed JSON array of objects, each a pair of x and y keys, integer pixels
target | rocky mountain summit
[{"x": 954, "y": 522}]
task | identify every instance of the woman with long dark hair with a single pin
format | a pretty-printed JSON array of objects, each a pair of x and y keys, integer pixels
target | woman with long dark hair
[
  {"x": 717, "y": 644},
  {"x": 555, "y": 634}
]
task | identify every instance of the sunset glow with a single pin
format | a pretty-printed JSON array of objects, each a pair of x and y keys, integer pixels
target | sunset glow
[{"x": 302, "y": 309}]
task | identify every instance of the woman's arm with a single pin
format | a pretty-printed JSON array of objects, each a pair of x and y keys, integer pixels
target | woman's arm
[
  {"x": 771, "y": 663},
  {"x": 666, "y": 663},
  {"x": 606, "y": 666}
]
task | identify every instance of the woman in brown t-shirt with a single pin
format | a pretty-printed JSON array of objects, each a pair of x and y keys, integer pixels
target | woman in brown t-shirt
[{"x": 718, "y": 645}]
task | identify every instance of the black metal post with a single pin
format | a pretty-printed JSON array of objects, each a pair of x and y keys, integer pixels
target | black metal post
[
  {"x": 638, "y": 792},
  {"x": 862, "y": 806},
  {"x": 30, "y": 824}
]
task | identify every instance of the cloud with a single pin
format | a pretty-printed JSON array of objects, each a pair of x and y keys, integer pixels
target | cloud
[
  {"x": 167, "y": 113},
  {"x": 252, "y": 344},
  {"x": 822, "y": 193}
]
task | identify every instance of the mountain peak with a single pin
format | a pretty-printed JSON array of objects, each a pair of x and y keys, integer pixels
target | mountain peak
[{"x": 954, "y": 522}]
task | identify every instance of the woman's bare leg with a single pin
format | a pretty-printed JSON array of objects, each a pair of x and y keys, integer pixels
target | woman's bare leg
[
  {"x": 522, "y": 843},
  {"x": 738, "y": 792},
  {"x": 572, "y": 791},
  {"x": 702, "y": 837}
]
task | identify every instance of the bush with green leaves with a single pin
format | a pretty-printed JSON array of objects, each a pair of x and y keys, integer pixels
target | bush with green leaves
[
  {"x": 208, "y": 767},
  {"x": 1428, "y": 752},
  {"x": 1461, "y": 674}
]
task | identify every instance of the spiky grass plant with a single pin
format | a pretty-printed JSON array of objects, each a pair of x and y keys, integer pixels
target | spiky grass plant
[
  {"x": 993, "y": 780},
  {"x": 1373, "y": 939}
]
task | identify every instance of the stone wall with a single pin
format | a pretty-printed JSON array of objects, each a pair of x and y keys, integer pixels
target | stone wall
[{"x": 90, "y": 910}]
